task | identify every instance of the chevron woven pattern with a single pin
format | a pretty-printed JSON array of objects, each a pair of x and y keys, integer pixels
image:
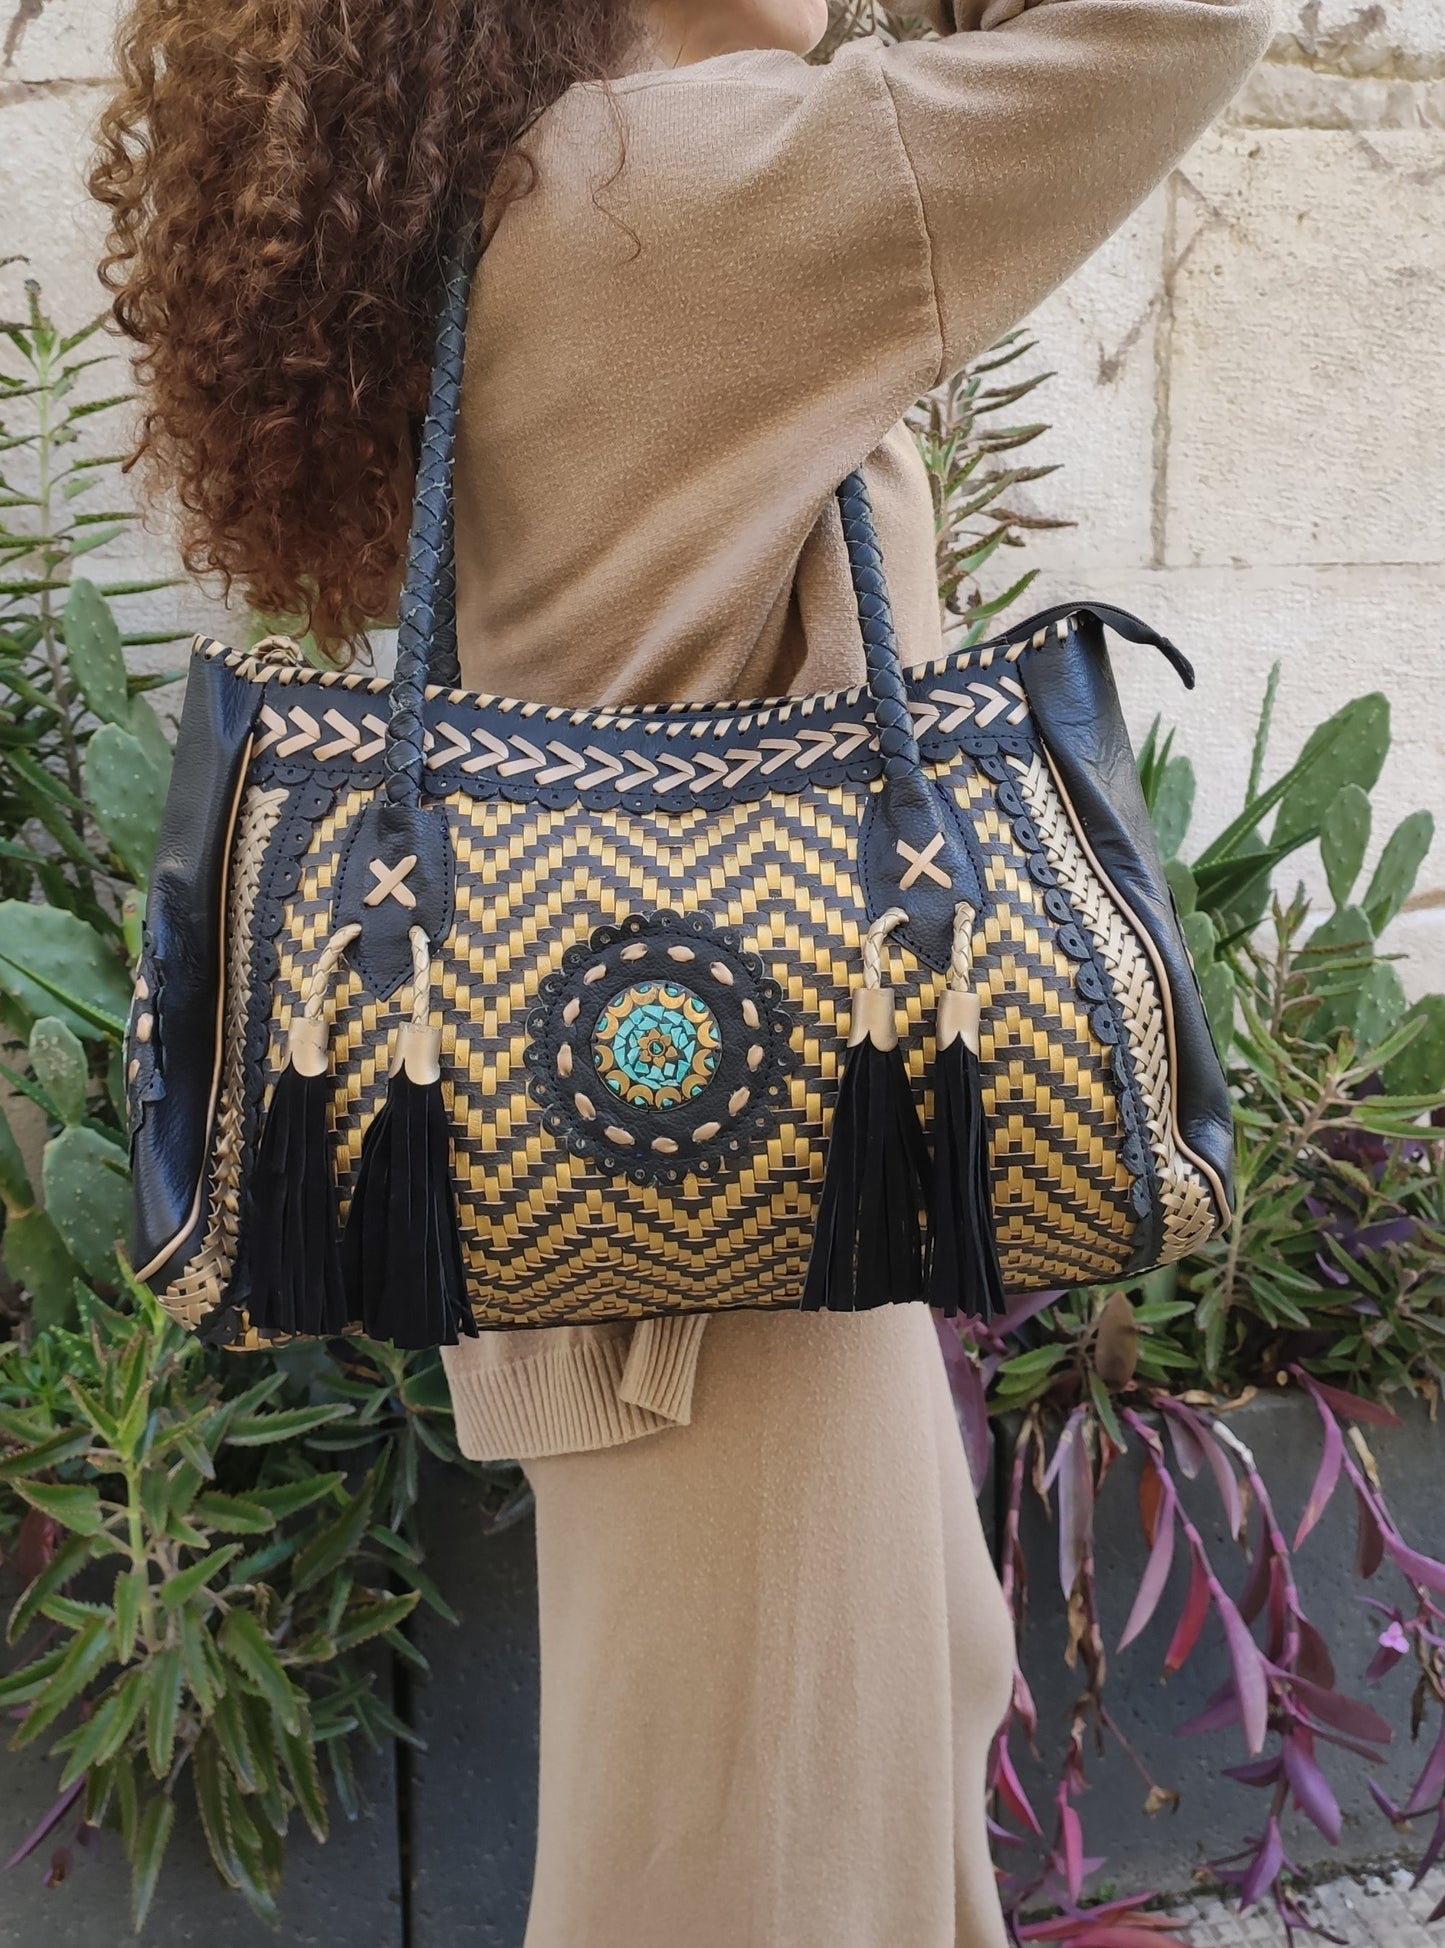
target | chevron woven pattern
[{"x": 548, "y": 1236}]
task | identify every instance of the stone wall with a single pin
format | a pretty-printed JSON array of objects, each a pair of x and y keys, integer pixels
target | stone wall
[
  {"x": 1250, "y": 413},
  {"x": 1249, "y": 403}
]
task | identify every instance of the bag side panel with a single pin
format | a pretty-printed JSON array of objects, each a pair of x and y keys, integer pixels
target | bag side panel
[
  {"x": 1076, "y": 708},
  {"x": 183, "y": 967}
]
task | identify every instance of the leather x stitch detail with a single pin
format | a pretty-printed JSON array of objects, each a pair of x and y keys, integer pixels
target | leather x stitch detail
[
  {"x": 920, "y": 863},
  {"x": 391, "y": 882}
]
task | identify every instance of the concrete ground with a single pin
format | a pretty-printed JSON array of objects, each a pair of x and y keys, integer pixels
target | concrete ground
[{"x": 1367, "y": 1911}]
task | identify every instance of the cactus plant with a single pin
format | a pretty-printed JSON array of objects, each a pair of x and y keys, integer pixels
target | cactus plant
[
  {"x": 39, "y": 1261},
  {"x": 1201, "y": 937},
  {"x": 1379, "y": 1005},
  {"x": 35, "y": 1255},
  {"x": 54, "y": 963},
  {"x": 144, "y": 725},
  {"x": 87, "y": 1194},
  {"x": 95, "y": 652},
  {"x": 1348, "y": 748},
  {"x": 127, "y": 791},
  {"x": 1419, "y": 1068},
  {"x": 1217, "y": 987},
  {"x": 1344, "y": 838},
  {"x": 1182, "y": 886},
  {"x": 1173, "y": 805},
  {"x": 1393, "y": 879},
  {"x": 58, "y": 1060},
  {"x": 1337, "y": 956}
]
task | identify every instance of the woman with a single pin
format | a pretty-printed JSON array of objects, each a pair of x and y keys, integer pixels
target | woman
[{"x": 774, "y": 1649}]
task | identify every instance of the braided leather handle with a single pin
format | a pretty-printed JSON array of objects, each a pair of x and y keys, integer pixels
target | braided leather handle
[
  {"x": 443, "y": 665},
  {"x": 426, "y": 628},
  {"x": 426, "y": 642},
  {"x": 896, "y": 736}
]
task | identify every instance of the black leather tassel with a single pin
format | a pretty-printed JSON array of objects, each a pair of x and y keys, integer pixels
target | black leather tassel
[
  {"x": 963, "y": 1268},
  {"x": 868, "y": 1240},
  {"x": 292, "y": 1250},
  {"x": 401, "y": 1250}
]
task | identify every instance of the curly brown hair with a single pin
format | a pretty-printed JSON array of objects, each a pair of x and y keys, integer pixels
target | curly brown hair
[{"x": 284, "y": 178}]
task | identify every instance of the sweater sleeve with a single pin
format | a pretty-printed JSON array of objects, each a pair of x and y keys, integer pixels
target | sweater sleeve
[{"x": 1034, "y": 129}]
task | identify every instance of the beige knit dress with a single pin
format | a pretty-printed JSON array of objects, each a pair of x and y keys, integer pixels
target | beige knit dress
[{"x": 773, "y": 1646}]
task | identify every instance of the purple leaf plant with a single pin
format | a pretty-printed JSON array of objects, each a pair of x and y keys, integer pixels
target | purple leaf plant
[{"x": 1281, "y": 1696}]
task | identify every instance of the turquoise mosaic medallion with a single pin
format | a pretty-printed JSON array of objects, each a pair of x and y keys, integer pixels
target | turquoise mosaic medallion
[
  {"x": 660, "y": 1049},
  {"x": 656, "y": 1045}
]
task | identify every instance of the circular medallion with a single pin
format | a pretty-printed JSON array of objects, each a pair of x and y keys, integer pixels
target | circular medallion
[{"x": 658, "y": 1048}]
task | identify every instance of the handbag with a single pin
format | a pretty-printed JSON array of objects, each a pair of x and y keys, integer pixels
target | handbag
[{"x": 458, "y": 1011}]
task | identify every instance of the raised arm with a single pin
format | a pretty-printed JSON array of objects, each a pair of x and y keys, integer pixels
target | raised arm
[{"x": 1035, "y": 127}]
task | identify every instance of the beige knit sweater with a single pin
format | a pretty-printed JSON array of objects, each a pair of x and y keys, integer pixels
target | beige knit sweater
[{"x": 729, "y": 282}]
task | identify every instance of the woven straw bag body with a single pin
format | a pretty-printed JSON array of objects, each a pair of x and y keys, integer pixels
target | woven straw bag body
[{"x": 456, "y": 1010}]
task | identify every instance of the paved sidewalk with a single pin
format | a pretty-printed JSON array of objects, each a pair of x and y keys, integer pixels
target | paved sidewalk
[{"x": 1374, "y": 1911}]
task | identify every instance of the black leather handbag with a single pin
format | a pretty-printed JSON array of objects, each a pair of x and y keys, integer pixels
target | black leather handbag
[{"x": 456, "y": 1010}]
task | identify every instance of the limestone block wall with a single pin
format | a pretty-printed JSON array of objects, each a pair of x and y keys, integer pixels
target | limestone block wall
[
  {"x": 1249, "y": 411},
  {"x": 1249, "y": 400}
]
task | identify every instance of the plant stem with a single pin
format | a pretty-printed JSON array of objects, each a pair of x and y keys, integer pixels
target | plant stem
[
  {"x": 52, "y": 557},
  {"x": 135, "y": 1526}
]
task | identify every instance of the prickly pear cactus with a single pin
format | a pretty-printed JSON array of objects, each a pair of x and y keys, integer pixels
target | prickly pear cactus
[
  {"x": 1379, "y": 1003},
  {"x": 87, "y": 1193},
  {"x": 1347, "y": 749},
  {"x": 1393, "y": 879},
  {"x": 95, "y": 651},
  {"x": 49, "y": 957},
  {"x": 1346, "y": 935},
  {"x": 1419, "y": 1068},
  {"x": 38, "y": 1259},
  {"x": 1173, "y": 806},
  {"x": 126, "y": 786},
  {"x": 35, "y": 1255},
  {"x": 1344, "y": 837},
  {"x": 58, "y": 1059}
]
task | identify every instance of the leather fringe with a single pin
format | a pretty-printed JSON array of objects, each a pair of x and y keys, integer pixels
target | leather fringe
[
  {"x": 868, "y": 1243},
  {"x": 963, "y": 1267}
]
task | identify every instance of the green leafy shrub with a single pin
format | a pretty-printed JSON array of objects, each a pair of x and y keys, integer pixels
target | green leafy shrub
[
  {"x": 1334, "y": 1261},
  {"x": 1336, "y": 1254},
  {"x": 212, "y": 1593},
  {"x": 84, "y": 764}
]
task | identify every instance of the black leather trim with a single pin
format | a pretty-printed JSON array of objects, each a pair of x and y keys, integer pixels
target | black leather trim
[
  {"x": 183, "y": 926},
  {"x": 413, "y": 843},
  {"x": 1076, "y": 711},
  {"x": 1091, "y": 983},
  {"x": 145, "y": 1080},
  {"x": 902, "y": 815},
  {"x": 1123, "y": 624},
  {"x": 672, "y": 758}
]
